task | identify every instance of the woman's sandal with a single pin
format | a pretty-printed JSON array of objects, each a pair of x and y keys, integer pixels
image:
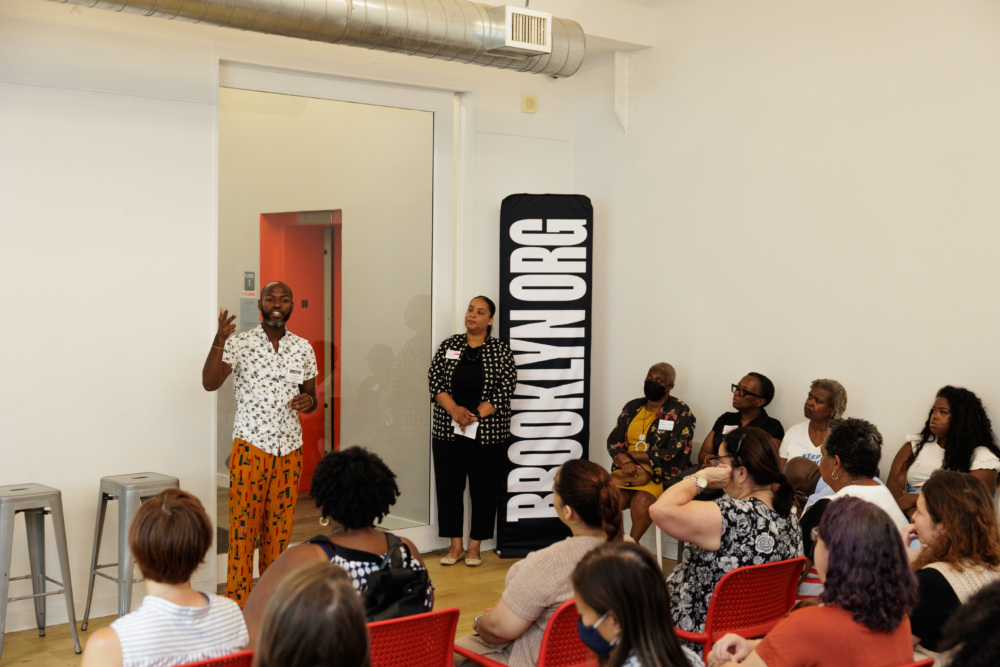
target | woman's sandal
[{"x": 448, "y": 560}]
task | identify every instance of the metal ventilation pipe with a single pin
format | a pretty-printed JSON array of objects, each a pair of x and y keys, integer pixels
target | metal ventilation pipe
[{"x": 440, "y": 29}]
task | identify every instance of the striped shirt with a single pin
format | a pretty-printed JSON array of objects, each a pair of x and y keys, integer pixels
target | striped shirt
[{"x": 161, "y": 633}]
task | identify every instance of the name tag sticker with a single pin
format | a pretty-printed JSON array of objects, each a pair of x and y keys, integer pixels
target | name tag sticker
[
  {"x": 666, "y": 425},
  {"x": 295, "y": 375},
  {"x": 729, "y": 429},
  {"x": 452, "y": 354}
]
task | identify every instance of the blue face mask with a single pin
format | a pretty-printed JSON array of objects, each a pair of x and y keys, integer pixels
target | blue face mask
[{"x": 593, "y": 639}]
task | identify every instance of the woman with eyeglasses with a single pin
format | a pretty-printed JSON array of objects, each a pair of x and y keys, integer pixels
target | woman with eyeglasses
[
  {"x": 753, "y": 393},
  {"x": 957, "y": 435},
  {"x": 956, "y": 524},
  {"x": 862, "y": 619},
  {"x": 750, "y": 525}
]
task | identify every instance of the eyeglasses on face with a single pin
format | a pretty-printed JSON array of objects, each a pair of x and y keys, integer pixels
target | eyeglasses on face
[
  {"x": 714, "y": 461},
  {"x": 743, "y": 393}
]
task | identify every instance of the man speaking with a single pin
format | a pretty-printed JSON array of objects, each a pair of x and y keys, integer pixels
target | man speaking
[{"x": 274, "y": 380}]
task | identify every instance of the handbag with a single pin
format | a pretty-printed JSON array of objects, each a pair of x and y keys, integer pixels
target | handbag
[
  {"x": 642, "y": 477},
  {"x": 391, "y": 591}
]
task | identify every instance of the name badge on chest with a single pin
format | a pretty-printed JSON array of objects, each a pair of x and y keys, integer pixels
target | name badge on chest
[
  {"x": 452, "y": 354},
  {"x": 666, "y": 425},
  {"x": 295, "y": 375}
]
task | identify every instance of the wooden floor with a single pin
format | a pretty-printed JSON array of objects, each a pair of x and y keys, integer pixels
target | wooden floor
[{"x": 470, "y": 589}]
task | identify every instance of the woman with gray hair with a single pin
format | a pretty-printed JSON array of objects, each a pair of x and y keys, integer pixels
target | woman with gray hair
[{"x": 827, "y": 400}]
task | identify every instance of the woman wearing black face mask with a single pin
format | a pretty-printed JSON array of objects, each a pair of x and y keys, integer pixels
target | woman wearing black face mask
[{"x": 651, "y": 443}]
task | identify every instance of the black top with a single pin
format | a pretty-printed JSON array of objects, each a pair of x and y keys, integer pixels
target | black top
[
  {"x": 467, "y": 380},
  {"x": 769, "y": 425},
  {"x": 937, "y": 602}
]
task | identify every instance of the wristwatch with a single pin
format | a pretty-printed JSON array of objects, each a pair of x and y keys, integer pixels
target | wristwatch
[
  {"x": 699, "y": 481},
  {"x": 478, "y": 416}
]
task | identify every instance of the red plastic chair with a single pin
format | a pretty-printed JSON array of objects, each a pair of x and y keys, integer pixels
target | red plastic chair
[
  {"x": 241, "y": 659},
  {"x": 421, "y": 640},
  {"x": 561, "y": 644},
  {"x": 748, "y": 601},
  {"x": 926, "y": 662}
]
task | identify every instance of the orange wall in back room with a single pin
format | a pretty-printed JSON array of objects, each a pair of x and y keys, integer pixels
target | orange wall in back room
[{"x": 293, "y": 253}]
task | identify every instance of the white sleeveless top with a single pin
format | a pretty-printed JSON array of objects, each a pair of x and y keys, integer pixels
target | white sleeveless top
[{"x": 161, "y": 633}]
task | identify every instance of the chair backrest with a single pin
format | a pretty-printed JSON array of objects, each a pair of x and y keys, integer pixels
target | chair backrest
[
  {"x": 561, "y": 643},
  {"x": 241, "y": 659},
  {"x": 750, "y": 600},
  {"x": 421, "y": 640}
]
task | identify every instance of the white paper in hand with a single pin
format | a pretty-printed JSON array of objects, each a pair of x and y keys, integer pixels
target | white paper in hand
[{"x": 470, "y": 430}]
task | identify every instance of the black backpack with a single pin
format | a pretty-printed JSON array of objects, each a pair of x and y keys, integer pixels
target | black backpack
[{"x": 391, "y": 591}]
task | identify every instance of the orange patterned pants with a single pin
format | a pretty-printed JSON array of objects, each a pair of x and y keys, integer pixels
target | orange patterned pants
[{"x": 263, "y": 490}]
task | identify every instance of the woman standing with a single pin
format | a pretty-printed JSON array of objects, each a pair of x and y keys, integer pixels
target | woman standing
[
  {"x": 957, "y": 525},
  {"x": 958, "y": 436},
  {"x": 471, "y": 380},
  {"x": 750, "y": 525}
]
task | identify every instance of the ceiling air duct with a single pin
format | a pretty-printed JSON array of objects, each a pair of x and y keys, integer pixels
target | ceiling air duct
[{"x": 501, "y": 37}]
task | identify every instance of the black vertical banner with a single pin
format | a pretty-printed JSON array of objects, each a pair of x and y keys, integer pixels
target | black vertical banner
[{"x": 546, "y": 266}]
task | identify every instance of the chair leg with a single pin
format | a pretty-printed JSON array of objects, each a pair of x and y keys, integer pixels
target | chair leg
[
  {"x": 34, "y": 523},
  {"x": 128, "y": 505},
  {"x": 102, "y": 508},
  {"x": 59, "y": 527},
  {"x": 659, "y": 546},
  {"x": 6, "y": 545}
]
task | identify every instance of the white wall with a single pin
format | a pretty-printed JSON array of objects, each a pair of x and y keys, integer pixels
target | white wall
[
  {"x": 108, "y": 218},
  {"x": 809, "y": 191}
]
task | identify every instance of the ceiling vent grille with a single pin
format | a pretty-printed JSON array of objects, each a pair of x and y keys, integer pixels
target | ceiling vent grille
[{"x": 519, "y": 32}]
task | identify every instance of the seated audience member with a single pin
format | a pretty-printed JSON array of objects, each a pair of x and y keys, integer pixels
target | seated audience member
[
  {"x": 650, "y": 444},
  {"x": 169, "y": 537},
  {"x": 511, "y": 631},
  {"x": 826, "y": 401},
  {"x": 624, "y": 609},
  {"x": 868, "y": 591},
  {"x": 315, "y": 617},
  {"x": 354, "y": 488},
  {"x": 957, "y": 436},
  {"x": 751, "y": 524},
  {"x": 753, "y": 393},
  {"x": 970, "y": 635},
  {"x": 957, "y": 526}
]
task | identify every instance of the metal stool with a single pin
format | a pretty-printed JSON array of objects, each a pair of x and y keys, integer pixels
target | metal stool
[
  {"x": 130, "y": 491},
  {"x": 32, "y": 499}
]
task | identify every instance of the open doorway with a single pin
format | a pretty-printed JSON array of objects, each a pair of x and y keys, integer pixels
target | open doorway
[{"x": 337, "y": 199}]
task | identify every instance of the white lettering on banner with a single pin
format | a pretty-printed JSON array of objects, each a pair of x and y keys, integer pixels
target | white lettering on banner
[
  {"x": 545, "y": 418},
  {"x": 540, "y": 260},
  {"x": 544, "y": 325},
  {"x": 544, "y": 452},
  {"x": 564, "y": 288},
  {"x": 545, "y": 424},
  {"x": 540, "y": 352},
  {"x": 531, "y": 506},
  {"x": 531, "y": 480},
  {"x": 559, "y": 232}
]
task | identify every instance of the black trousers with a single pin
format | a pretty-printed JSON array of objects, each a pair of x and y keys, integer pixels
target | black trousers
[{"x": 454, "y": 462}]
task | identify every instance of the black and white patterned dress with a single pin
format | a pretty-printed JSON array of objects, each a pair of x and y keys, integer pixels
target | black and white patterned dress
[
  {"x": 360, "y": 564},
  {"x": 752, "y": 534}
]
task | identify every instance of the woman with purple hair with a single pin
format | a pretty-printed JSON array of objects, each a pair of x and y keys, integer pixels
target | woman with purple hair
[{"x": 868, "y": 592}]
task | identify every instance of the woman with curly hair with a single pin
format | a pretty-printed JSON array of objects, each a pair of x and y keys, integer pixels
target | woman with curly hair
[
  {"x": 617, "y": 589},
  {"x": 354, "y": 488},
  {"x": 957, "y": 436},
  {"x": 868, "y": 591},
  {"x": 510, "y": 632},
  {"x": 750, "y": 525},
  {"x": 826, "y": 401},
  {"x": 960, "y": 550}
]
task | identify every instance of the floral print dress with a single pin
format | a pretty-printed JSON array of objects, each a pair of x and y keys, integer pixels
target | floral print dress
[{"x": 752, "y": 534}]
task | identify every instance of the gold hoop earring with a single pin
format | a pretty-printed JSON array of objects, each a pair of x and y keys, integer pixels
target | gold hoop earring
[{"x": 324, "y": 521}]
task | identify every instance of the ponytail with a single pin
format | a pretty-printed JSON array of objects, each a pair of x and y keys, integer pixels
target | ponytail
[
  {"x": 784, "y": 496},
  {"x": 586, "y": 487}
]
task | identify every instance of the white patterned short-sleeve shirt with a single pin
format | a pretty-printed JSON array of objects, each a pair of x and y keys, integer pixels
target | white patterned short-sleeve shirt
[{"x": 265, "y": 381}]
